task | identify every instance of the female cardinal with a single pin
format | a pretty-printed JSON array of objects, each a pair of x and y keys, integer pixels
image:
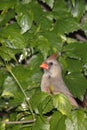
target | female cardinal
[{"x": 52, "y": 81}]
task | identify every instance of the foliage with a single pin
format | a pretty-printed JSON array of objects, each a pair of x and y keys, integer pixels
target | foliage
[{"x": 31, "y": 30}]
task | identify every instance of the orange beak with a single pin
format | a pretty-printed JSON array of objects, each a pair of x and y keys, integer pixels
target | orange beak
[{"x": 44, "y": 66}]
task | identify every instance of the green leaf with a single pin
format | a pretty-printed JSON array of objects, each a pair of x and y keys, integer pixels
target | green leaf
[
  {"x": 13, "y": 127},
  {"x": 78, "y": 9},
  {"x": 66, "y": 25},
  {"x": 7, "y": 53},
  {"x": 41, "y": 124},
  {"x": 6, "y": 4},
  {"x": 62, "y": 104},
  {"x": 2, "y": 125},
  {"x": 2, "y": 77},
  {"x": 76, "y": 83},
  {"x": 65, "y": 22},
  {"x": 37, "y": 11},
  {"x": 54, "y": 40},
  {"x": 73, "y": 76},
  {"x": 43, "y": 45},
  {"x": 26, "y": 1},
  {"x": 46, "y": 105},
  {"x": 22, "y": 74},
  {"x": 44, "y": 23},
  {"x": 84, "y": 24},
  {"x": 76, "y": 50},
  {"x": 57, "y": 121},
  {"x": 73, "y": 2},
  {"x": 73, "y": 65},
  {"x": 85, "y": 69},
  {"x": 60, "y": 7},
  {"x": 11, "y": 92},
  {"x": 24, "y": 17},
  {"x": 12, "y": 37},
  {"x": 34, "y": 71},
  {"x": 6, "y": 17},
  {"x": 36, "y": 101},
  {"x": 78, "y": 121}
]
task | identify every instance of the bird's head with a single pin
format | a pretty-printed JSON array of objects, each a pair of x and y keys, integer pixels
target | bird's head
[{"x": 51, "y": 66}]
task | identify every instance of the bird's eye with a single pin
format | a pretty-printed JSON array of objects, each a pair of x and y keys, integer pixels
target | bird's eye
[{"x": 51, "y": 63}]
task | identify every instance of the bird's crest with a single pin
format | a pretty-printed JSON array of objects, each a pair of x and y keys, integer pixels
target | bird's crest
[{"x": 54, "y": 56}]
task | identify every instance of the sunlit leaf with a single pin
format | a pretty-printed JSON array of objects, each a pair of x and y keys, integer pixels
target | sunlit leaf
[
  {"x": 62, "y": 104},
  {"x": 7, "y": 53},
  {"x": 11, "y": 92},
  {"x": 12, "y": 37},
  {"x": 43, "y": 45},
  {"x": 2, "y": 125},
  {"x": 24, "y": 18},
  {"x": 78, "y": 8},
  {"x": 78, "y": 121}
]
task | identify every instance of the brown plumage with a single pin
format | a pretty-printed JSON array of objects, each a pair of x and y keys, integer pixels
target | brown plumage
[{"x": 52, "y": 81}]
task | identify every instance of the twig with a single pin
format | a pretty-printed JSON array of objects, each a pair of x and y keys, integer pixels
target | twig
[
  {"x": 81, "y": 38},
  {"x": 20, "y": 122}
]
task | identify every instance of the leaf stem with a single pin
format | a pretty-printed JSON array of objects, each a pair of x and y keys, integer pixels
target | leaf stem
[{"x": 22, "y": 90}]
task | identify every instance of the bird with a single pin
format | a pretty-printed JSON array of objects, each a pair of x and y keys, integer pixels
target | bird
[{"x": 52, "y": 81}]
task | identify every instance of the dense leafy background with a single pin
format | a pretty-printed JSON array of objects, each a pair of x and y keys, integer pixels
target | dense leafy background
[{"x": 31, "y": 30}]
